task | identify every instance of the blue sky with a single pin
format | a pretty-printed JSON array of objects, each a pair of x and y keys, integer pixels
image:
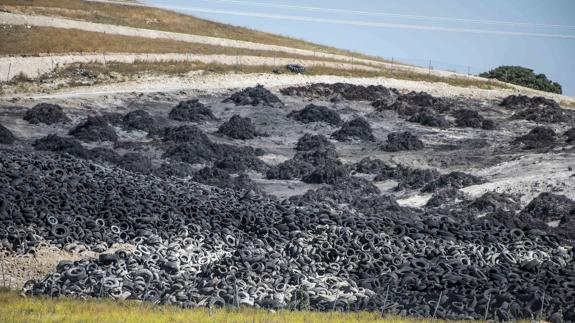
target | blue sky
[{"x": 533, "y": 33}]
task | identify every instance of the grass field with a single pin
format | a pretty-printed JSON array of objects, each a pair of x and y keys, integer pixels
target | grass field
[
  {"x": 30, "y": 41},
  {"x": 159, "y": 19},
  {"x": 15, "y": 308}
]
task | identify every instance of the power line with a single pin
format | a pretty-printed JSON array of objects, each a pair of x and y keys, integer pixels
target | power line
[
  {"x": 393, "y": 15},
  {"x": 369, "y": 24}
]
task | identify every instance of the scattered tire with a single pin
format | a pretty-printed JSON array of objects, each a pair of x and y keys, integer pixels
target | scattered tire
[
  {"x": 339, "y": 91},
  {"x": 570, "y": 135},
  {"x": 46, "y": 113},
  {"x": 515, "y": 102},
  {"x": 139, "y": 120},
  {"x": 295, "y": 68},
  {"x": 465, "y": 118},
  {"x": 430, "y": 119}
]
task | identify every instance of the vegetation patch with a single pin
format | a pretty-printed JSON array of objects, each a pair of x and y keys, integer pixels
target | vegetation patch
[{"x": 523, "y": 76}]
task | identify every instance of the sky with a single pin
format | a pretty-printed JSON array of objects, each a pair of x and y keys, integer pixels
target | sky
[{"x": 452, "y": 34}]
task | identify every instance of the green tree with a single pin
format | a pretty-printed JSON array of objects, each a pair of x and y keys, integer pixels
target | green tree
[{"x": 523, "y": 76}]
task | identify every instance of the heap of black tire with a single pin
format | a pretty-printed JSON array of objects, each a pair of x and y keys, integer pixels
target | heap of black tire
[{"x": 203, "y": 246}]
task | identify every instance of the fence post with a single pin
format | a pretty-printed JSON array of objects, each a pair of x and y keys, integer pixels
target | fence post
[
  {"x": 487, "y": 307},
  {"x": 429, "y": 67},
  {"x": 468, "y": 71},
  {"x": 104, "y": 56},
  {"x": 8, "y": 75}
]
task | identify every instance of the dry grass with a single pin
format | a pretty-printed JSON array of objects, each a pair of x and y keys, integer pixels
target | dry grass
[
  {"x": 14, "y": 308},
  {"x": 180, "y": 68},
  {"x": 24, "y": 41},
  {"x": 159, "y": 19}
]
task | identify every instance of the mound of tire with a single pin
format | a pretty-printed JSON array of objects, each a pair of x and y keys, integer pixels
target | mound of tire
[
  {"x": 46, "y": 113},
  {"x": 197, "y": 245},
  {"x": 402, "y": 141},
  {"x": 255, "y": 96},
  {"x": 6, "y": 136},
  {"x": 238, "y": 128},
  {"x": 94, "y": 129},
  {"x": 191, "y": 111},
  {"x": 356, "y": 129},
  {"x": 537, "y": 138},
  {"x": 339, "y": 91},
  {"x": 316, "y": 113}
]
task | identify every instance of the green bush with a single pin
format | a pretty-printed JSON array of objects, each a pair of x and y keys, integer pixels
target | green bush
[{"x": 525, "y": 77}]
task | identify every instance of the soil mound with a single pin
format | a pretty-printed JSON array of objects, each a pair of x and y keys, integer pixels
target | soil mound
[
  {"x": 570, "y": 135},
  {"x": 255, "y": 96},
  {"x": 454, "y": 179},
  {"x": 338, "y": 91},
  {"x": 538, "y": 137},
  {"x": 46, "y": 113},
  {"x": 402, "y": 141},
  {"x": 465, "y": 118},
  {"x": 192, "y": 111},
  {"x": 314, "y": 142},
  {"x": 187, "y": 133},
  {"x": 522, "y": 101},
  {"x": 544, "y": 114},
  {"x": 94, "y": 129},
  {"x": 6, "y": 136},
  {"x": 139, "y": 120},
  {"x": 370, "y": 165},
  {"x": 430, "y": 119},
  {"x": 316, "y": 113},
  {"x": 238, "y": 128},
  {"x": 549, "y": 207},
  {"x": 357, "y": 128}
]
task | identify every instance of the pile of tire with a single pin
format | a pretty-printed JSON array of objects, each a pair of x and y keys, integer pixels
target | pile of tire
[{"x": 197, "y": 245}]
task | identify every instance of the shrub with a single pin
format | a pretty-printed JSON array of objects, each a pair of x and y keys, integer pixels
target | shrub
[{"x": 525, "y": 77}]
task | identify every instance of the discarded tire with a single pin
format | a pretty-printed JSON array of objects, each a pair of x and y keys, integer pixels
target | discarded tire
[
  {"x": 402, "y": 141},
  {"x": 94, "y": 129},
  {"x": 295, "y": 68},
  {"x": 357, "y": 128},
  {"x": 255, "y": 96},
  {"x": 238, "y": 128},
  {"x": 191, "y": 111},
  {"x": 316, "y": 113},
  {"x": 6, "y": 136},
  {"x": 538, "y": 137}
]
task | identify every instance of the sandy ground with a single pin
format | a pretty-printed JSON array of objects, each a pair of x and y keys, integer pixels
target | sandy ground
[
  {"x": 36, "y": 66},
  {"x": 16, "y": 269}
]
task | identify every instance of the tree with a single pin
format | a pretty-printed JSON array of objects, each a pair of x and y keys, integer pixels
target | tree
[{"x": 525, "y": 77}]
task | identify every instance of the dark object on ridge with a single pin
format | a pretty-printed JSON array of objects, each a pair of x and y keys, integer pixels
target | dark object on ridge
[
  {"x": 192, "y": 111},
  {"x": 357, "y": 128},
  {"x": 339, "y": 91},
  {"x": 538, "y": 137},
  {"x": 402, "y": 141},
  {"x": 6, "y": 136},
  {"x": 465, "y": 118},
  {"x": 295, "y": 68},
  {"x": 139, "y": 120},
  {"x": 238, "y": 128},
  {"x": 316, "y": 113},
  {"x": 255, "y": 96},
  {"x": 46, "y": 113},
  {"x": 94, "y": 129}
]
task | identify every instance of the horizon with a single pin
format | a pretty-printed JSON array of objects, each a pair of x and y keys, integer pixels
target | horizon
[{"x": 446, "y": 35}]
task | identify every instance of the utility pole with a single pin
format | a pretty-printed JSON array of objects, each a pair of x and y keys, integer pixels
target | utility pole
[{"x": 429, "y": 67}]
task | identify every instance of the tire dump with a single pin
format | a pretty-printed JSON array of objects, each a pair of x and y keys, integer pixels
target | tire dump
[{"x": 325, "y": 197}]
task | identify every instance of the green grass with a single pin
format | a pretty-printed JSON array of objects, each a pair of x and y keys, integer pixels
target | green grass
[{"x": 15, "y": 308}]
